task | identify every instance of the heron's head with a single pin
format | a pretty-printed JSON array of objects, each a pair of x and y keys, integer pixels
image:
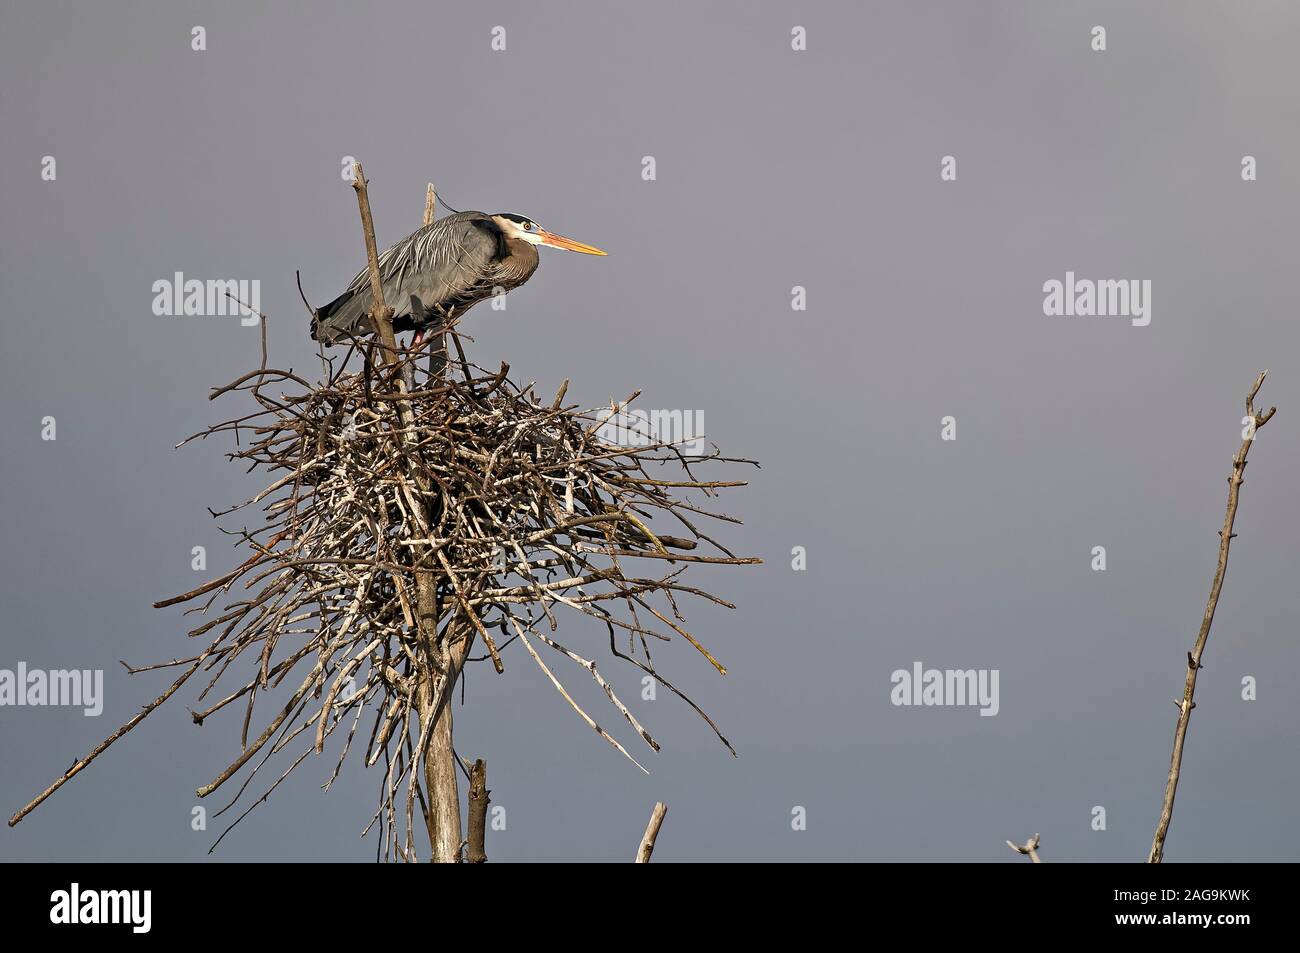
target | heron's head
[{"x": 525, "y": 229}]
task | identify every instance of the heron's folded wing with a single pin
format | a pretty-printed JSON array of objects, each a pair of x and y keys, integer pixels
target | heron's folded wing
[{"x": 440, "y": 262}]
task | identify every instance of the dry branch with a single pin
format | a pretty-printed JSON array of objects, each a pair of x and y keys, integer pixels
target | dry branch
[
  {"x": 1187, "y": 703},
  {"x": 1030, "y": 847},
  {"x": 651, "y": 833},
  {"x": 442, "y": 814},
  {"x": 430, "y": 204},
  {"x": 476, "y": 852}
]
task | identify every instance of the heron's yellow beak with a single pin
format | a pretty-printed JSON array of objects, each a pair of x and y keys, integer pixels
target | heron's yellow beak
[{"x": 568, "y": 244}]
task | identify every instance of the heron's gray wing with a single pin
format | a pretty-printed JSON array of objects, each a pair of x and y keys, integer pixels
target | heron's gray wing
[
  {"x": 436, "y": 264},
  {"x": 440, "y": 262}
]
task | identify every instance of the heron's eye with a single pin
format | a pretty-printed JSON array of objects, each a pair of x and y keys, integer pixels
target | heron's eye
[{"x": 528, "y": 226}]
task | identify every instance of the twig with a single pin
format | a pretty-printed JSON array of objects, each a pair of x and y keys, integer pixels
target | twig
[
  {"x": 1030, "y": 847},
  {"x": 443, "y": 818},
  {"x": 1187, "y": 703},
  {"x": 380, "y": 313},
  {"x": 82, "y": 763},
  {"x": 478, "y": 805},
  {"x": 651, "y": 833},
  {"x": 430, "y": 201},
  {"x": 438, "y": 346}
]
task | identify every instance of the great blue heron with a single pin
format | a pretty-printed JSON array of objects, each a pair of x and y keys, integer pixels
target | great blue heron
[{"x": 441, "y": 270}]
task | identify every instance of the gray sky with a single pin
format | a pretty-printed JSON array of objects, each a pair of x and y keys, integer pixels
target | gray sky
[{"x": 775, "y": 168}]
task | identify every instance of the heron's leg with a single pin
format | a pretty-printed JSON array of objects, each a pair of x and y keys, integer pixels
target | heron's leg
[{"x": 419, "y": 318}]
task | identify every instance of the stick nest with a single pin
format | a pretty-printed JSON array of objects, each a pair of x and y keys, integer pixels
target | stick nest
[{"x": 396, "y": 487}]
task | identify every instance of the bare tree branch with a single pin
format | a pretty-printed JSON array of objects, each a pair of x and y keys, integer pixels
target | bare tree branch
[
  {"x": 1030, "y": 847},
  {"x": 1185, "y": 706},
  {"x": 651, "y": 833},
  {"x": 478, "y": 805},
  {"x": 430, "y": 204}
]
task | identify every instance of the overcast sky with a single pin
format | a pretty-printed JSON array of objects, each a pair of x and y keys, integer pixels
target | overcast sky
[{"x": 774, "y": 168}]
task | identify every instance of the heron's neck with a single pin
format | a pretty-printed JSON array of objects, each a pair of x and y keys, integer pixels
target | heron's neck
[{"x": 521, "y": 251}]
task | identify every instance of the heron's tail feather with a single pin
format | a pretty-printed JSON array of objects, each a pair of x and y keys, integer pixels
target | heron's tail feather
[{"x": 346, "y": 314}]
